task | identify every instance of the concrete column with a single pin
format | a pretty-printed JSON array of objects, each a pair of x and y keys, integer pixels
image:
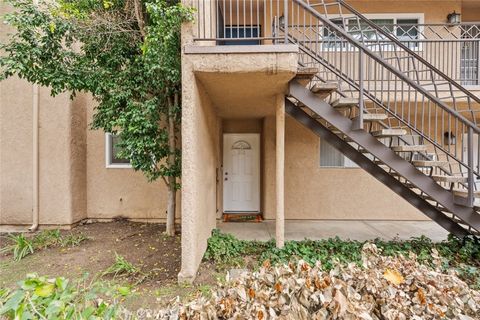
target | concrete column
[{"x": 280, "y": 171}]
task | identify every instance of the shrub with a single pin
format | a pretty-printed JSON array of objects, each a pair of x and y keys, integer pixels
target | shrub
[{"x": 42, "y": 298}]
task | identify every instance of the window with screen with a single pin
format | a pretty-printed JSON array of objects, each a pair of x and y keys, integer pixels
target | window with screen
[
  {"x": 112, "y": 152},
  {"x": 332, "y": 158}
]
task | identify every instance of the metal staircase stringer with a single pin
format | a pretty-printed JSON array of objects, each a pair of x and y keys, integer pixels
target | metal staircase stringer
[
  {"x": 365, "y": 163},
  {"x": 385, "y": 155}
]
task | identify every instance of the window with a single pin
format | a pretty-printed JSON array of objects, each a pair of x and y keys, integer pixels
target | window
[
  {"x": 405, "y": 28},
  {"x": 248, "y": 33},
  {"x": 112, "y": 160},
  {"x": 332, "y": 158}
]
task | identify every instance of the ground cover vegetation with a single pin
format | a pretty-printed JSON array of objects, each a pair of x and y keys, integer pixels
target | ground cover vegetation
[
  {"x": 462, "y": 255},
  {"x": 120, "y": 280},
  {"x": 19, "y": 246}
]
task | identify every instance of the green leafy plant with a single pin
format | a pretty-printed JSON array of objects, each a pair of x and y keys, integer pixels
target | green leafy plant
[
  {"x": 59, "y": 298},
  {"x": 72, "y": 240},
  {"x": 47, "y": 238},
  {"x": 121, "y": 267},
  {"x": 126, "y": 54},
  {"x": 19, "y": 246}
]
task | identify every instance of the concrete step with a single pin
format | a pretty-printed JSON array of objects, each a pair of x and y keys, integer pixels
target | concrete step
[
  {"x": 372, "y": 117},
  {"x": 464, "y": 193},
  {"x": 323, "y": 90},
  {"x": 385, "y": 133},
  {"x": 411, "y": 148},
  {"x": 345, "y": 103},
  {"x": 449, "y": 179},
  {"x": 305, "y": 74},
  {"x": 429, "y": 163}
]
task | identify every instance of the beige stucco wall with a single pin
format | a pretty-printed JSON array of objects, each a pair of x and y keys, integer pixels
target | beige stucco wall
[
  {"x": 61, "y": 148},
  {"x": 120, "y": 192},
  {"x": 200, "y": 154}
]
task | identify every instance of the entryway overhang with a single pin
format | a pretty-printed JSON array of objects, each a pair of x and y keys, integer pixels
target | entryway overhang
[{"x": 243, "y": 81}]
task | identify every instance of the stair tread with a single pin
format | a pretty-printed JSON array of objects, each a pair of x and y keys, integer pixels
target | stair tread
[
  {"x": 305, "y": 74},
  {"x": 464, "y": 193},
  {"x": 322, "y": 87},
  {"x": 345, "y": 102},
  {"x": 410, "y": 148},
  {"x": 429, "y": 163},
  {"x": 389, "y": 132},
  {"x": 374, "y": 117},
  {"x": 451, "y": 179}
]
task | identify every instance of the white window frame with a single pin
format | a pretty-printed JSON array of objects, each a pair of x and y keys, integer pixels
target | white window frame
[
  {"x": 395, "y": 16},
  {"x": 109, "y": 155}
]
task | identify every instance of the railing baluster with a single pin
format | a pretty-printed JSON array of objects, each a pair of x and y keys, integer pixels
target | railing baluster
[
  {"x": 471, "y": 178},
  {"x": 361, "y": 105}
]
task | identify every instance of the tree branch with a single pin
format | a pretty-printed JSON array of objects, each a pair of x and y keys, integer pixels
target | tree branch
[{"x": 139, "y": 15}]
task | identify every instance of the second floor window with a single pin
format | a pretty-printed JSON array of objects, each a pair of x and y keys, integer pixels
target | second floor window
[
  {"x": 242, "y": 35},
  {"x": 405, "y": 29}
]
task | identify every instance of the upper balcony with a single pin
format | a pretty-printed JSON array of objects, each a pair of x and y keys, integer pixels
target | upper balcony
[{"x": 453, "y": 48}]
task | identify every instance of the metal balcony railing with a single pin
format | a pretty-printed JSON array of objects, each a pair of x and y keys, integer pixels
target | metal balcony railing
[{"x": 452, "y": 49}]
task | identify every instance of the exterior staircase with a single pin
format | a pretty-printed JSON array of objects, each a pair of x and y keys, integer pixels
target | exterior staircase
[{"x": 365, "y": 115}]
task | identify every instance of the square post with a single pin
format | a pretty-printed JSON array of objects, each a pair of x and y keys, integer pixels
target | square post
[{"x": 280, "y": 171}]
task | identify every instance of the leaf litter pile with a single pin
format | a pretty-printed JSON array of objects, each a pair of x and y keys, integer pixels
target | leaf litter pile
[{"x": 393, "y": 288}]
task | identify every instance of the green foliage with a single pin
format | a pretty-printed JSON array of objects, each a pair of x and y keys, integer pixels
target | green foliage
[
  {"x": 58, "y": 298},
  {"x": 461, "y": 255},
  {"x": 121, "y": 267},
  {"x": 19, "y": 246},
  {"x": 226, "y": 250},
  {"x": 129, "y": 62}
]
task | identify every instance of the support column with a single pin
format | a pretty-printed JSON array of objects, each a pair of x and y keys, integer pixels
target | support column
[{"x": 280, "y": 171}]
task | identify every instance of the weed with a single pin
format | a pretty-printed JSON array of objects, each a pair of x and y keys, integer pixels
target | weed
[
  {"x": 47, "y": 238},
  {"x": 121, "y": 267},
  {"x": 19, "y": 246},
  {"x": 72, "y": 240},
  {"x": 205, "y": 290}
]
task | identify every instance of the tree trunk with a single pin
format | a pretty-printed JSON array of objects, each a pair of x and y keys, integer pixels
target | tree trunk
[
  {"x": 172, "y": 180},
  {"x": 172, "y": 203}
]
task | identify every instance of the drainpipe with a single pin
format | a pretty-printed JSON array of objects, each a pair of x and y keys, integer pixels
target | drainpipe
[
  {"x": 35, "y": 206},
  {"x": 35, "y": 193}
]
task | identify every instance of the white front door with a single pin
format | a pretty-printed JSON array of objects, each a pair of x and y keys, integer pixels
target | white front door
[{"x": 241, "y": 172}]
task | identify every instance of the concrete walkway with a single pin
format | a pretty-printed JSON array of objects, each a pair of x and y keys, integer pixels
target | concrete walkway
[{"x": 323, "y": 229}]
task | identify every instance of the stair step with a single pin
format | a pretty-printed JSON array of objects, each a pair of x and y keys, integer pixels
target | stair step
[
  {"x": 384, "y": 133},
  {"x": 429, "y": 163},
  {"x": 449, "y": 179},
  {"x": 323, "y": 90},
  {"x": 464, "y": 193},
  {"x": 372, "y": 117},
  {"x": 410, "y": 148},
  {"x": 305, "y": 74},
  {"x": 345, "y": 103}
]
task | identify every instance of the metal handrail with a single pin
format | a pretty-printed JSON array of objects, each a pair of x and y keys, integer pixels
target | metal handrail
[
  {"x": 466, "y": 123},
  {"x": 388, "y": 66},
  {"x": 409, "y": 51}
]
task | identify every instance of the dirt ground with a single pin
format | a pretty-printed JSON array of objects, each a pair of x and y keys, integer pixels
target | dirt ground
[{"x": 143, "y": 245}]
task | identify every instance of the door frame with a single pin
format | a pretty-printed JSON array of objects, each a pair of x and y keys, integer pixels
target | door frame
[{"x": 259, "y": 173}]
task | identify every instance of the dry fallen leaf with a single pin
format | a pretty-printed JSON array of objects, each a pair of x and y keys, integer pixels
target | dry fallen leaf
[
  {"x": 347, "y": 292},
  {"x": 393, "y": 276}
]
